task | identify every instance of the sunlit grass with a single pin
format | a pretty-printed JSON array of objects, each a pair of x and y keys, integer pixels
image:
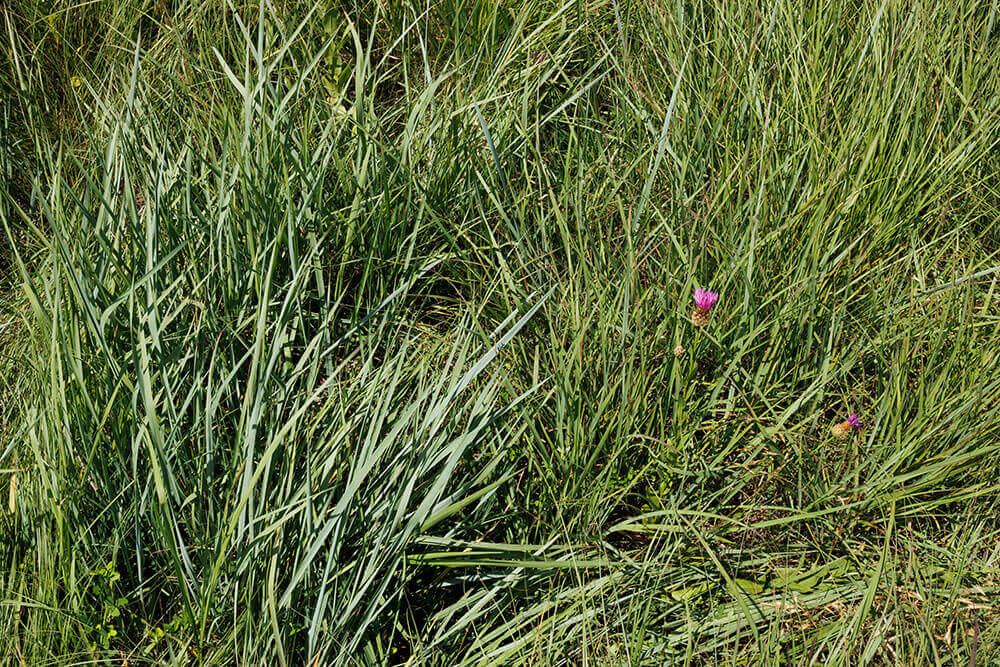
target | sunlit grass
[{"x": 367, "y": 334}]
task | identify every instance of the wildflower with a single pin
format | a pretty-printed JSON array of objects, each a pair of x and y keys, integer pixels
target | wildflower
[
  {"x": 843, "y": 429},
  {"x": 679, "y": 350},
  {"x": 703, "y": 300}
]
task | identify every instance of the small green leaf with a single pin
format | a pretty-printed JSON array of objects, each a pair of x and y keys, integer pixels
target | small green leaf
[
  {"x": 684, "y": 594},
  {"x": 749, "y": 587}
]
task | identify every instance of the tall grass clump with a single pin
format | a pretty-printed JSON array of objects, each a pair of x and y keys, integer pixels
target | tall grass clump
[{"x": 369, "y": 333}]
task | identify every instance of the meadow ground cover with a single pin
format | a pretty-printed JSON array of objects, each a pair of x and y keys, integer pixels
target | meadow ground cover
[{"x": 475, "y": 332}]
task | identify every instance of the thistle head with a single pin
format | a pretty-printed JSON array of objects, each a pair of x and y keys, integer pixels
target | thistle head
[
  {"x": 705, "y": 299},
  {"x": 854, "y": 420}
]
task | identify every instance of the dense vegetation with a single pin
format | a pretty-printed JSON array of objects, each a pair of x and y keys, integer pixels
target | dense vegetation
[{"x": 341, "y": 333}]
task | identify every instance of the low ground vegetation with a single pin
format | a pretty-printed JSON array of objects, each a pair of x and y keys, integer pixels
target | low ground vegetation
[{"x": 366, "y": 333}]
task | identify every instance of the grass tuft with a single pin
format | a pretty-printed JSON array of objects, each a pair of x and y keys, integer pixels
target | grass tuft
[{"x": 361, "y": 333}]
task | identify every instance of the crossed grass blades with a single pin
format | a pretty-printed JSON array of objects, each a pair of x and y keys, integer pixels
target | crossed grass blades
[{"x": 361, "y": 333}]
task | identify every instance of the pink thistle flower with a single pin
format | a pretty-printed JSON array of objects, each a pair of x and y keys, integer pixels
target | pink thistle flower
[
  {"x": 843, "y": 429},
  {"x": 705, "y": 299}
]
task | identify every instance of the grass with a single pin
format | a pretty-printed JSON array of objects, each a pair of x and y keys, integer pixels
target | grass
[{"x": 360, "y": 333}]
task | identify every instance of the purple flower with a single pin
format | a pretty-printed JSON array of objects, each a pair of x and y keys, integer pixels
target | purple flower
[
  {"x": 854, "y": 420},
  {"x": 705, "y": 299}
]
